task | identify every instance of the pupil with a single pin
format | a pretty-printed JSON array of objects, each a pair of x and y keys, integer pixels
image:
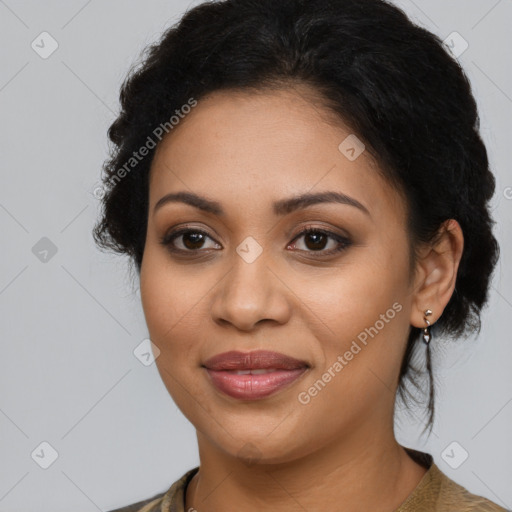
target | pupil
[
  {"x": 195, "y": 237},
  {"x": 320, "y": 237}
]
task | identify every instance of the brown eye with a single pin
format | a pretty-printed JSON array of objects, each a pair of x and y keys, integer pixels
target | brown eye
[
  {"x": 191, "y": 240},
  {"x": 316, "y": 240}
]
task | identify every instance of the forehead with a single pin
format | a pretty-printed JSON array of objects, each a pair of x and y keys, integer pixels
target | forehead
[{"x": 244, "y": 147}]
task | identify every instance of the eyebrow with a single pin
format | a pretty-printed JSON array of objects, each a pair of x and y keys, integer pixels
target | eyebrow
[{"x": 281, "y": 207}]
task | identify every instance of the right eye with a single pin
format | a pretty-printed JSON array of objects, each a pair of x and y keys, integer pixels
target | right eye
[{"x": 191, "y": 240}]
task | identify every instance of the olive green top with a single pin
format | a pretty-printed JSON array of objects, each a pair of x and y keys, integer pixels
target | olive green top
[{"x": 434, "y": 493}]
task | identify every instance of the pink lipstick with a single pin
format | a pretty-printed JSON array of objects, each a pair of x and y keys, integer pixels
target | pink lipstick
[{"x": 253, "y": 375}]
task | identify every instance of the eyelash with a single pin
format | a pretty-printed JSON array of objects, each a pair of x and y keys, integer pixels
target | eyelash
[{"x": 344, "y": 242}]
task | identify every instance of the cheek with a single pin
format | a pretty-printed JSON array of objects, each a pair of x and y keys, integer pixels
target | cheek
[
  {"x": 170, "y": 304},
  {"x": 359, "y": 355},
  {"x": 361, "y": 315},
  {"x": 354, "y": 295},
  {"x": 168, "y": 298}
]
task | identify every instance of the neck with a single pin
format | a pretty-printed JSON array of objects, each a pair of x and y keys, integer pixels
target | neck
[{"x": 367, "y": 473}]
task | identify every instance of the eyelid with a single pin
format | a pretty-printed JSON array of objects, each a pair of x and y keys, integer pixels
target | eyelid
[
  {"x": 345, "y": 240},
  {"x": 176, "y": 232},
  {"x": 341, "y": 239},
  {"x": 322, "y": 229}
]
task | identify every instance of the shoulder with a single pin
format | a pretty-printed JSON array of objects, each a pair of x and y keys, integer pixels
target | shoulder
[
  {"x": 436, "y": 492},
  {"x": 172, "y": 499},
  {"x": 454, "y": 497},
  {"x": 143, "y": 506}
]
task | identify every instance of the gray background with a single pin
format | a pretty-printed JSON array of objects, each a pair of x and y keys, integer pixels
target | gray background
[{"x": 70, "y": 321}]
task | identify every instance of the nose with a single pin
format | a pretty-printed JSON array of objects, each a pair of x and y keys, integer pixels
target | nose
[{"x": 249, "y": 294}]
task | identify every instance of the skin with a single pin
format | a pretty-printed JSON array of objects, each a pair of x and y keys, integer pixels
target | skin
[{"x": 246, "y": 150}]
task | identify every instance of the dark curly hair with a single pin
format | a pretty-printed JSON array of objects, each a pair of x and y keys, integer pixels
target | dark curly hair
[{"x": 389, "y": 80}]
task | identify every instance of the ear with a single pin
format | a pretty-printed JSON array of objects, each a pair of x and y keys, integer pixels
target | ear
[{"x": 436, "y": 274}]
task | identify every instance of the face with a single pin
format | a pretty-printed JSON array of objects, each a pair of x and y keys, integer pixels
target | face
[{"x": 248, "y": 277}]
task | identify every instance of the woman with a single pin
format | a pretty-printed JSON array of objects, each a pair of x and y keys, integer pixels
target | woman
[{"x": 303, "y": 190}]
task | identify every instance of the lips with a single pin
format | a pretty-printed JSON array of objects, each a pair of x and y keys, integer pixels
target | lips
[
  {"x": 253, "y": 375},
  {"x": 256, "y": 360}
]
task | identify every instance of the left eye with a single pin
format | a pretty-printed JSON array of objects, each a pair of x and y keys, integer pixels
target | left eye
[{"x": 317, "y": 239}]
